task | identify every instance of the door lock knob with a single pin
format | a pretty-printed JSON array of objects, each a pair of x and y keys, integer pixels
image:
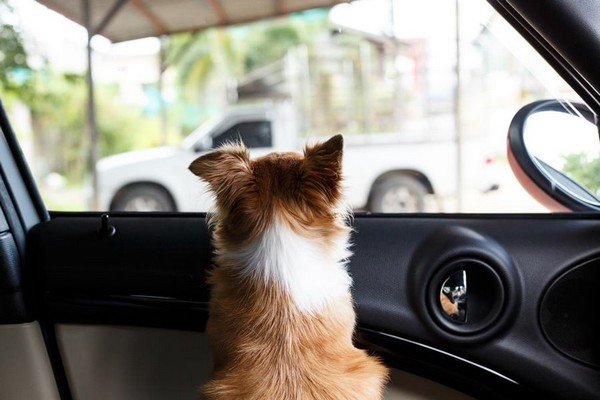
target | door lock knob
[
  {"x": 106, "y": 229},
  {"x": 453, "y": 296}
]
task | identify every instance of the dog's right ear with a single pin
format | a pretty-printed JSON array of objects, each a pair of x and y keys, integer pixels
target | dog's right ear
[
  {"x": 323, "y": 169},
  {"x": 224, "y": 169}
]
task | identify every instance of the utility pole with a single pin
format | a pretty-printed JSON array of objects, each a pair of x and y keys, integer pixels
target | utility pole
[
  {"x": 395, "y": 45},
  {"x": 162, "y": 66},
  {"x": 91, "y": 122},
  {"x": 458, "y": 114}
]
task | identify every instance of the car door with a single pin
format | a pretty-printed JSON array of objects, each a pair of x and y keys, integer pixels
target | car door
[
  {"x": 102, "y": 306},
  {"x": 26, "y": 365}
]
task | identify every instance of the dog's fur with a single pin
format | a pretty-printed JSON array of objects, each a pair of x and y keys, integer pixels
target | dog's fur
[{"x": 281, "y": 315}]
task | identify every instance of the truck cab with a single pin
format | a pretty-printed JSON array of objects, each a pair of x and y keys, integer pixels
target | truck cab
[{"x": 158, "y": 180}]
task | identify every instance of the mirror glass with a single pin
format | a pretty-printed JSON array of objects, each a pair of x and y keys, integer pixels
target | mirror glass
[{"x": 566, "y": 149}]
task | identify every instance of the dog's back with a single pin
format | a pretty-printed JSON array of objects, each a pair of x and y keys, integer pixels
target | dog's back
[{"x": 281, "y": 314}]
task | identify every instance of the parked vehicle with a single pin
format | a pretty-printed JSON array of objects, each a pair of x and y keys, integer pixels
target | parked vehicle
[{"x": 384, "y": 172}]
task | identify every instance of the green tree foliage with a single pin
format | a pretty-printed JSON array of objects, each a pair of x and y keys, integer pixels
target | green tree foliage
[
  {"x": 270, "y": 44},
  {"x": 238, "y": 50},
  {"x": 56, "y": 102},
  {"x": 219, "y": 56},
  {"x": 585, "y": 170},
  {"x": 57, "y": 107},
  {"x": 199, "y": 57},
  {"x": 265, "y": 42},
  {"x": 14, "y": 69}
]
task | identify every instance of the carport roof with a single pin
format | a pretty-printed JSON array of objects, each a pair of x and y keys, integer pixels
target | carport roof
[{"x": 121, "y": 20}]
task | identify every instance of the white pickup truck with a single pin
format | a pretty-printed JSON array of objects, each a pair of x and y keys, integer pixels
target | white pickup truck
[{"x": 384, "y": 172}]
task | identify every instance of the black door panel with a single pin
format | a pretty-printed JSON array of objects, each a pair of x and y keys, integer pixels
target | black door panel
[
  {"x": 152, "y": 272},
  {"x": 13, "y": 283},
  {"x": 541, "y": 248}
]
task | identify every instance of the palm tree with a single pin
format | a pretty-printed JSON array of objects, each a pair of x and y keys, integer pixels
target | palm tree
[
  {"x": 205, "y": 56},
  {"x": 208, "y": 63}
]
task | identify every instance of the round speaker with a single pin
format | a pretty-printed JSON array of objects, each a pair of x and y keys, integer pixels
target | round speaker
[{"x": 570, "y": 313}]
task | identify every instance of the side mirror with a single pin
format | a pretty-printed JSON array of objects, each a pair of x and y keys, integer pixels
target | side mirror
[
  {"x": 204, "y": 144},
  {"x": 554, "y": 151}
]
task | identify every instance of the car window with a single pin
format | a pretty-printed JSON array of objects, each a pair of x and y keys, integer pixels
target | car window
[
  {"x": 253, "y": 134},
  {"x": 424, "y": 104}
]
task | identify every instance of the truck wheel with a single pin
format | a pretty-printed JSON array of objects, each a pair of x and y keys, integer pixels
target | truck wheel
[
  {"x": 142, "y": 198},
  {"x": 398, "y": 194}
]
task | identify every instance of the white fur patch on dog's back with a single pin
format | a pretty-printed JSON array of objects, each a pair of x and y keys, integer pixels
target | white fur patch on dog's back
[{"x": 305, "y": 268}]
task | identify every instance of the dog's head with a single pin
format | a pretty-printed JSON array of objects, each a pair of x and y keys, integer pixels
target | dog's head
[{"x": 302, "y": 191}]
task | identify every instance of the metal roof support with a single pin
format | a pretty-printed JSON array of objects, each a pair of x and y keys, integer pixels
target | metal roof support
[
  {"x": 116, "y": 7},
  {"x": 280, "y": 6},
  {"x": 91, "y": 122},
  {"x": 458, "y": 139},
  {"x": 160, "y": 20},
  {"x": 219, "y": 11},
  {"x": 143, "y": 9}
]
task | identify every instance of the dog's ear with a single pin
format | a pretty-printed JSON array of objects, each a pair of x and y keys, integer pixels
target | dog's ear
[
  {"x": 323, "y": 167},
  {"x": 326, "y": 156},
  {"x": 224, "y": 169}
]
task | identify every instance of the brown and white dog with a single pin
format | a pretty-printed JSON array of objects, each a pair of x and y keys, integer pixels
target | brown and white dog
[{"x": 281, "y": 315}]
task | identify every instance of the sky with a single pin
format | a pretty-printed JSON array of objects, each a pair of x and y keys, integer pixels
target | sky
[
  {"x": 545, "y": 137},
  {"x": 63, "y": 41}
]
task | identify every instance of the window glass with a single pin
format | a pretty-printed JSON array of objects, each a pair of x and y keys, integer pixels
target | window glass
[
  {"x": 424, "y": 103},
  {"x": 254, "y": 134}
]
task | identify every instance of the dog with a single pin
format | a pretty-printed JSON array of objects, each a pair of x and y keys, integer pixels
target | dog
[{"x": 281, "y": 318}]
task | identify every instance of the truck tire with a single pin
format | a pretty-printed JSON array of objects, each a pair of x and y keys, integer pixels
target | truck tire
[
  {"x": 143, "y": 197},
  {"x": 398, "y": 194}
]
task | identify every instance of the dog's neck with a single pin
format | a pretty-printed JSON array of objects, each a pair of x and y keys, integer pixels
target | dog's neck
[{"x": 309, "y": 271}]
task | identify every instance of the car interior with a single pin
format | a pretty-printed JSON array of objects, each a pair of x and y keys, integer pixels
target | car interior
[{"x": 114, "y": 305}]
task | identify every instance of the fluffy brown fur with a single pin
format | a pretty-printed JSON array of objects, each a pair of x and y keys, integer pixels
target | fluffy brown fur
[{"x": 265, "y": 347}]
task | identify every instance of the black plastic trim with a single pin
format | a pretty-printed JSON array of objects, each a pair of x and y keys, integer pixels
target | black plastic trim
[
  {"x": 13, "y": 222},
  {"x": 13, "y": 306},
  {"x": 26, "y": 177},
  {"x": 3, "y": 222},
  {"x": 441, "y": 366},
  {"x": 146, "y": 311},
  {"x": 361, "y": 214},
  {"x": 594, "y": 318}
]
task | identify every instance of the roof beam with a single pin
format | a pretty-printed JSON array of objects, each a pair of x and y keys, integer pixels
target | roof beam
[
  {"x": 279, "y": 6},
  {"x": 57, "y": 7},
  {"x": 219, "y": 10},
  {"x": 159, "y": 26},
  {"x": 118, "y": 5}
]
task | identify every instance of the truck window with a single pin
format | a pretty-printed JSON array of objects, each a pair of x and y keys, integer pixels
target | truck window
[{"x": 253, "y": 134}]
